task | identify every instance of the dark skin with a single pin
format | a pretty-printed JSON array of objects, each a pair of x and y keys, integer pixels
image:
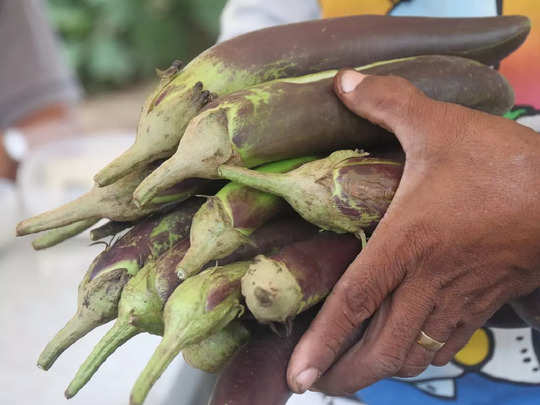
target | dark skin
[{"x": 460, "y": 239}]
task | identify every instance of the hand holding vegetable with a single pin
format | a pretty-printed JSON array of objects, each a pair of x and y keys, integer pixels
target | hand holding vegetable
[{"x": 459, "y": 239}]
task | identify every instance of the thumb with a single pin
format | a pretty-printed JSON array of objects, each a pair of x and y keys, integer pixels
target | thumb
[{"x": 391, "y": 102}]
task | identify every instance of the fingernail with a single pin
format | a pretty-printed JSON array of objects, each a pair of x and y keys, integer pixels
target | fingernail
[
  {"x": 305, "y": 379},
  {"x": 349, "y": 80}
]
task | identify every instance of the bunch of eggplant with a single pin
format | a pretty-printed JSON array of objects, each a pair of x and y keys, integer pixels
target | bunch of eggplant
[{"x": 231, "y": 279}]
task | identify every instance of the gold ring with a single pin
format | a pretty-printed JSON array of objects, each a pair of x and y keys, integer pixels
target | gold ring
[{"x": 428, "y": 343}]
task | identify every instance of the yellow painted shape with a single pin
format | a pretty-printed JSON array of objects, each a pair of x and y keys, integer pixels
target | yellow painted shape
[
  {"x": 476, "y": 350},
  {"x": 340, "y": 8}
]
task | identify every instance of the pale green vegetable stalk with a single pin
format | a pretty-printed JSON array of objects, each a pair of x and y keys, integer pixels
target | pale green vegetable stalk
[
  {"x": 100, "y": 289},
  {"x": 58, "y": 235},
  {"x": 198, "y": 308},
  {"x": 226, "y": 220},
  {"x": 136, "y": 297},
  {"x": 345, "y": 192},
  {"x": 212, "y": 353},
  {"x": 113, "y": 202}
]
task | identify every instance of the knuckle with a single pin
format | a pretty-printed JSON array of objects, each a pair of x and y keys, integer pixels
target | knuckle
[
  {"x": 410, "y": 371},
  {"x": 415, "y": 364},
  {"x": 416, "y": 245},
  {"x": 419, "y": 240},
  {"x": 337, "y": 335},
  {"x": 387, "y": 363},
  {"x": 442, "y": 360},
  {"x": 332, "y": 345},
  {"x": 359, "y": 300}
]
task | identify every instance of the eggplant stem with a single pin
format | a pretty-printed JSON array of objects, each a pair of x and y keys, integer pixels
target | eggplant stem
[
  {"x": 162, "y": 357},
  {"x": 75, "y": 328},
  {"x": 120, "y": 333}
]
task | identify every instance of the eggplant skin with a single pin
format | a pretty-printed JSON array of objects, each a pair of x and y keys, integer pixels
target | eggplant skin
[
  {"x": 313, "y": 46},
  {"x": 324, "y": 124},
  {"x": 257, "y": 374}
]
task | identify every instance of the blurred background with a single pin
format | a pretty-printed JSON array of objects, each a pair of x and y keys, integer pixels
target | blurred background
[
  {"x": 114, "y": 45},
  {"x": 89, "y": 65}
]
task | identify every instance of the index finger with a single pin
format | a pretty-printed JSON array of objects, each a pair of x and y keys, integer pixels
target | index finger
[{"x": 356, "y": 296}]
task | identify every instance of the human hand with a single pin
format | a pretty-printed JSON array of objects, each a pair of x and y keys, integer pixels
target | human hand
[{"x": 460, "y": 238}]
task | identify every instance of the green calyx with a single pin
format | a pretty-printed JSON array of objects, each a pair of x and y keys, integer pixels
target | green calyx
[
  {"x": 177, "y": 99},
  {"x": 212, "y": 353},
  {"x": 140, "y": 305},
  {"x": 225, "y": 222},
  {"x": 115, "y": 337},
  {"x": 190, "y": 302},
  {"x": 97, "y": 304},
  {"x": 114, "y": 202},
  {"x": 58, "y": 235},
  {"x": 189, "y": 318},
  {"x": 193, "y": 158},
  {"x": 139, "y": 310},
  {"x": 212, "y": 236},
  {"x": 307, "y": 189}
]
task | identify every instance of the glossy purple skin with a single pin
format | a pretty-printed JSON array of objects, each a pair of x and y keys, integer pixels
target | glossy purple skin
[
  {"x": 266, "y": 239},
  {"x": 313, "y": 46},
  {"x": 138, "y": 244},
  {"x": 317, "y": 263},
  {"x": 365, "y": 187},
  {"x": 247, "y": 212},
  {"x": 256, "y": 375},
  {"x": 324, "y": 123},
  {"x": 220, "y": 293}
]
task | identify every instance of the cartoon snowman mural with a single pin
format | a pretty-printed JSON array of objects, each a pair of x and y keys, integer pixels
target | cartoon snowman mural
[
  {"x": 505, "y": 355},
  {"x": 526, "y": 115},
  {"x": 502, "y": 355}
]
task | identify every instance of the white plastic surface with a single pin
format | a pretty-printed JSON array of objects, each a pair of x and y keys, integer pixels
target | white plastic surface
[{"x": 63, "y": 170}]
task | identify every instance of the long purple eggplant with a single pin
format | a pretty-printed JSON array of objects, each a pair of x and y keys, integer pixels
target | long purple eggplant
[
  {"x": 257, "y": 374},
  {"x": 100, "y": 289},
  {"x": 300, "y": 49},
  {"x": 278, "y": 287},
  {"x": 302, "y": 116},
  {"x": 226, "y": 220},
  {"x": 344, "y": 192},
  {"x": 144, "y": 296}
]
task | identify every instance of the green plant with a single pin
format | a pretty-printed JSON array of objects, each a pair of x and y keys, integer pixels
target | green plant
[{"x": 113, "y": 43}]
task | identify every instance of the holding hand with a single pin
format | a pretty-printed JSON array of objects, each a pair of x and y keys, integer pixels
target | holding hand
[{"x": 460, "y": 238}]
